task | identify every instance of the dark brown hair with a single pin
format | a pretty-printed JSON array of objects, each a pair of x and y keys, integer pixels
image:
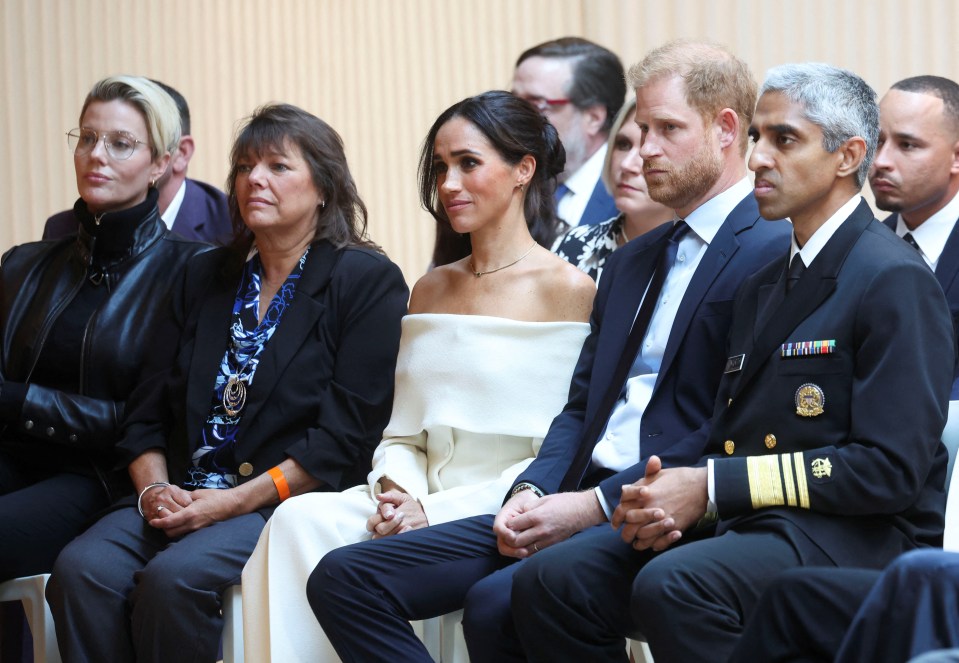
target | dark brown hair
[
  {"x": 514, "y": 128},
  {"x": 342, "y": 221}
]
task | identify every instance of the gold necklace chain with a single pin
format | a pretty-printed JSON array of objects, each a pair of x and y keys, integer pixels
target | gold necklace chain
[{"x": 490, "y": 271}]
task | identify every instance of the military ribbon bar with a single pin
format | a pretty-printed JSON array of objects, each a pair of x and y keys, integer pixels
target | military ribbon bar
[{"x": 807, "y": 348}]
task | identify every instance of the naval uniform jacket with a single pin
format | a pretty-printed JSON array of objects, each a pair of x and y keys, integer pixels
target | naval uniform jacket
[
  {"x": 839, "y": 447},
  {"x": 324, "y": 385}
]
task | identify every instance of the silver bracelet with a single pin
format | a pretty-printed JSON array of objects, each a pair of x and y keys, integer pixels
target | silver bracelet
[{"x": 156, "y": 484}]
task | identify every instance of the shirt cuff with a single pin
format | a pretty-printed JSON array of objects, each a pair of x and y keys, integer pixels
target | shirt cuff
[
  {"x": 711, "y": 485},
  {"x": 604, "y": 504}
]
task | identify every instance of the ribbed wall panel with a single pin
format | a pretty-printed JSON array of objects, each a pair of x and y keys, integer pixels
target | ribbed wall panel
[{"x": 379, "y": 71}]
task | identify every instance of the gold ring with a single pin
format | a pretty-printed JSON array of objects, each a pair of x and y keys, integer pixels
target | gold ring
[{"x": 535, "y": 548}]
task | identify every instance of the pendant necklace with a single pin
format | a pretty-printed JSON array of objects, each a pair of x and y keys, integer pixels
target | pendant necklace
[
  {"x": 490, "y": 271},
  {"x": 234, "y": 391}
]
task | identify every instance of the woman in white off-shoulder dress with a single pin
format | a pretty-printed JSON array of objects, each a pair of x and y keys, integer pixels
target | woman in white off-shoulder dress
[{"x": 486, "y": 357}]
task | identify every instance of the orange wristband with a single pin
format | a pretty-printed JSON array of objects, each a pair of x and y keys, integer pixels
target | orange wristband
[{"x": 279, "y": 480}]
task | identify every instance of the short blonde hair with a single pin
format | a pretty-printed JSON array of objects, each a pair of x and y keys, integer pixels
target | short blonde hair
[
  {"x": 618, "y": 123},
  {"x": 714, "y": 79},
  {"x": 158, "y": 109}
]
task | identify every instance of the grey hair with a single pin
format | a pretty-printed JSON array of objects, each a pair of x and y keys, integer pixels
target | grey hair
[{"x": 836, "y": 100}]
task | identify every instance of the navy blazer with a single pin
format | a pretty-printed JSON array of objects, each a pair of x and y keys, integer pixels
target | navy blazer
[
  {"x": 203, "y": 216},
  {"x": 861, "y": 476},
  {"x": 324, "y": 386},
  {"x": 947, "y": 269},
  {"x": 674, "y": 423},
  {"x": 601, "y": 207}
]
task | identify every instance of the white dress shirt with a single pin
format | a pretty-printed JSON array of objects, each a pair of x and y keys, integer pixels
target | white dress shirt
[
  {"x": 581, "y": 184},
  {"x": 169, "y": 216},
  {"x": 618, "y": 447},
  {"x": 931, "y": 235}
]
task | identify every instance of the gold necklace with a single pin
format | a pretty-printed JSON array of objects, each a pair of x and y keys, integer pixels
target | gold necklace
[{"x": 490, "y": 271}]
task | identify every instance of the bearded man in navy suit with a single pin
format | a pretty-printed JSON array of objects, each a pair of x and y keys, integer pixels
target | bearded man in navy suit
[{"x": 190, "y": 208}]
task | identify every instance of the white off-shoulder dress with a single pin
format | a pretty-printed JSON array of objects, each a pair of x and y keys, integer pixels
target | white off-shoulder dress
[{"x": 474, "y": 398}]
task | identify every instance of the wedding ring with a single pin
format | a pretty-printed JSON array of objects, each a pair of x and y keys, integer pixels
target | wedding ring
[
  {"x": 535, "y": 548},
  {"x": 160, "y": 508}
]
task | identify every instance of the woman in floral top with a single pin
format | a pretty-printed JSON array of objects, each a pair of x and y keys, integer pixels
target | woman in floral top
[{"x": 588, "y": 247}]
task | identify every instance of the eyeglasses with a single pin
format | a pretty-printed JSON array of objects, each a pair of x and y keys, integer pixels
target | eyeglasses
[
  {"x": 544, "y": 105},
  {"x": 120, "y": 145}
]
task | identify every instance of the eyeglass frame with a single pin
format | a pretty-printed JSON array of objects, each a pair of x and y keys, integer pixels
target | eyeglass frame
[
  {"x": 106, "y": 144},
  {"x": 543, "y": 105}
]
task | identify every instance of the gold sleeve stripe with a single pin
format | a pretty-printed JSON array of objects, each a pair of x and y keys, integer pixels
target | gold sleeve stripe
[
  {"x": 801, "y": 486},
  {"x": 788, "y": 480},
  {"x": 765, "y": 481}
]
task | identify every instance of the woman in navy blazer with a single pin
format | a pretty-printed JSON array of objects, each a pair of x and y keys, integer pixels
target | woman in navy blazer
[{"x": 242, "y": 404}]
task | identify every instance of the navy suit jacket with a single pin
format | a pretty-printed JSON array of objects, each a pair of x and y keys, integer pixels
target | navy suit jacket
[
  {"x": 203, "y": 216},
  {"x": 600, "y": 207},
  {"x": 863, "y": 478},
  {"x": 674, "y": 423},
  {"x": 947, "y": 269}
]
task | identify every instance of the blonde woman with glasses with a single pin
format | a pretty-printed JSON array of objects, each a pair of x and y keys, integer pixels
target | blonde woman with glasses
[{"x": 75, "y": 317}]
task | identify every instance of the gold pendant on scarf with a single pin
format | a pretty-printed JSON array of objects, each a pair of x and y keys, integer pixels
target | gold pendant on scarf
[{"x": 234, "y": 395}]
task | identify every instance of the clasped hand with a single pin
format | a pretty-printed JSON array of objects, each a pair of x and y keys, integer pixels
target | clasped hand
[
  {"x": 397, "y": 512},
  {"x": 656, "y": 510},
  {"x": 526, "y": 523},
  {"x": 178, "y": 512}
]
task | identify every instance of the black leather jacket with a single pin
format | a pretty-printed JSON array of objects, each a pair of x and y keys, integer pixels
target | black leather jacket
[{"x": 76, "y": 432}]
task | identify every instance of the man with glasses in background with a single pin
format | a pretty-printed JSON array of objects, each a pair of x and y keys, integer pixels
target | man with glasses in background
[{"x": 578, "y": 86}]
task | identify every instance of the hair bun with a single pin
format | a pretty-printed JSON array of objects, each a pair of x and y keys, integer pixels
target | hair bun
[{"x": 555, "y": 152}]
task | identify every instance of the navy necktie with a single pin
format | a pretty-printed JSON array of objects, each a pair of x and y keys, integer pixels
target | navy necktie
[
  {"x": 911, "y": 241},
  {"x": 667, "y": 257},
  {"x": 560, "y": 193},
  {"x": 796, "y": 269}
]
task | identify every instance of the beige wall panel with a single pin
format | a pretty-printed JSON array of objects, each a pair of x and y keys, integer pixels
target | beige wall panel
[{"x": 379, "y": 71}]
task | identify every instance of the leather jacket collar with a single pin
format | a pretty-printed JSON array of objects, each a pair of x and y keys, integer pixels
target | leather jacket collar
[{"x": 104, "y": 242}]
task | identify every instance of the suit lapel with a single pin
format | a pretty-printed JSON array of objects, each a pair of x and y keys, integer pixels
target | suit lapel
[
  {"x": 599, "y": 207},
  {"x": 297, "y": 323},
  {"x": 817, "y": 284},
  {"x": 718, "y": 254},
  {"x": 948, "y": 264},
  {"x": 189, "y": 219},
  {"x": 768, "y": 299},
  {"x": 212, "y": 337},
  {"x": 622, "y": 306}
]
